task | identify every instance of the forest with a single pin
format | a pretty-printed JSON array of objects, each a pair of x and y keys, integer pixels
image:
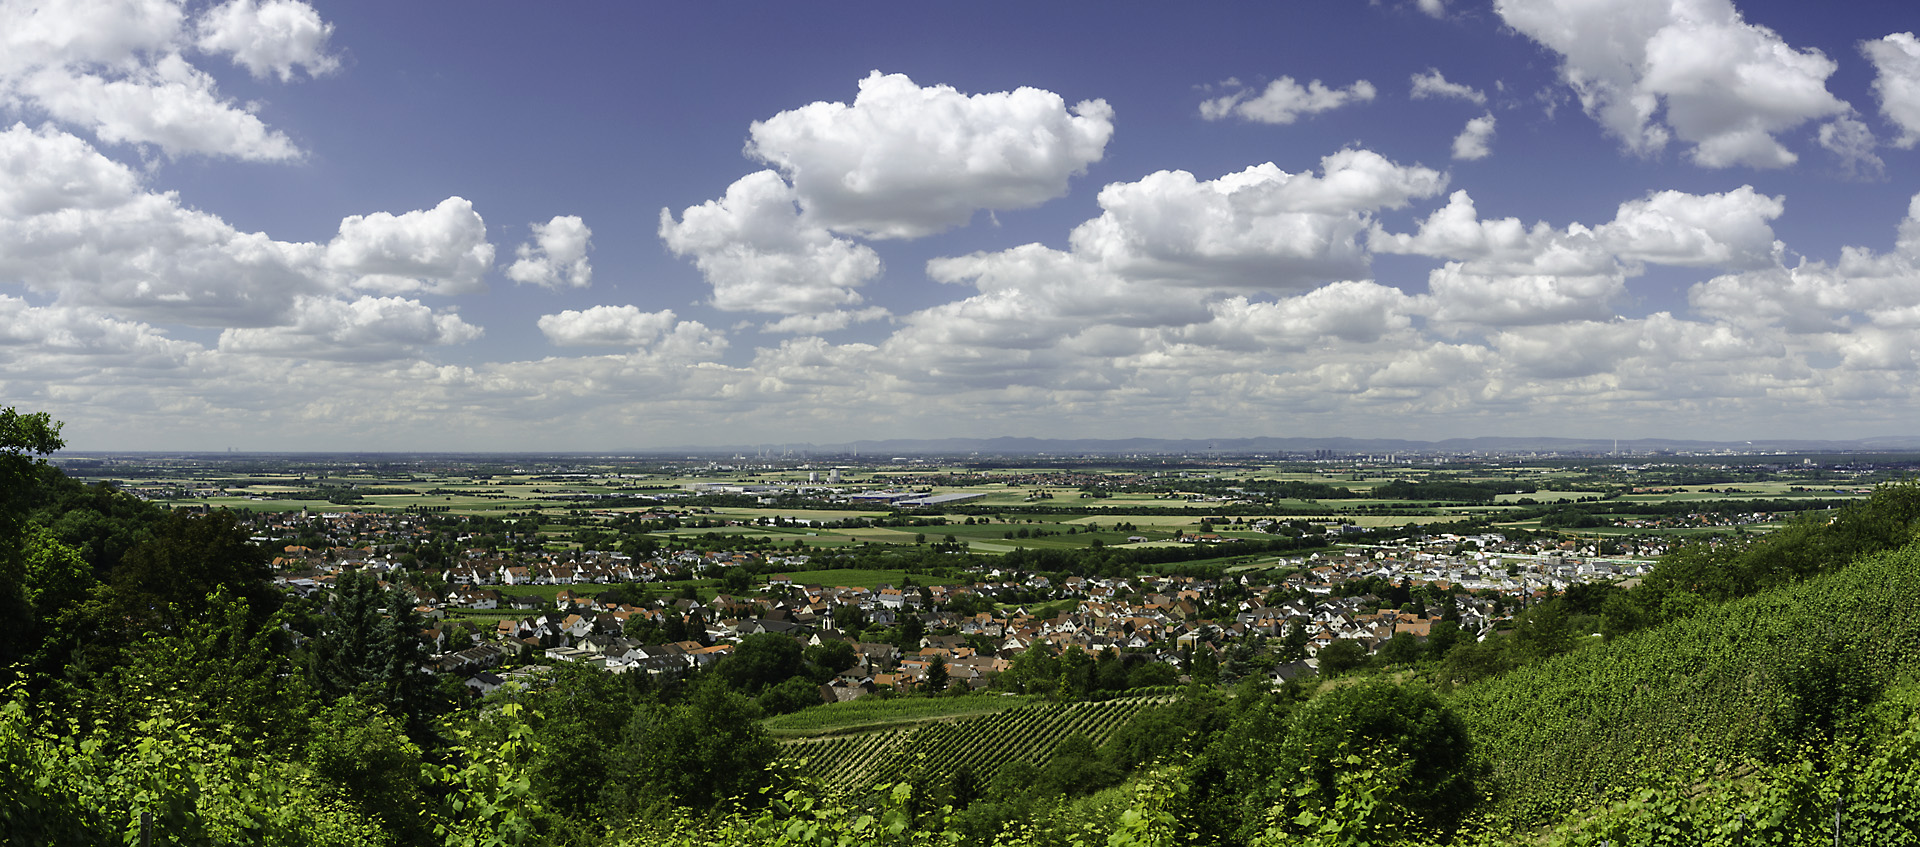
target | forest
[{"x": 1762, "y": 692}]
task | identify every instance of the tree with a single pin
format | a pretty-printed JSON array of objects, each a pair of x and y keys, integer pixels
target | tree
[
  {"x": 1076, "y": 768},
  {"x": 832, "y": 657},
  {"x": 912, "y": 629},
  {"x": 1543, "y": 631},
  {"x": 1620, "y": 614},
  {"x": 1151, "y": 675},
  {"x": 642, "y": 629},
  {"x": 1034, "y": 671},
  {"x": 224, "y": 668},
  {"x": 705, "y": 750},
  {"x": 762, "y": 660},
  {"x": 1076, "y": 672},
  {"x": 1341, "y": 656},
  {"x": 790, "y": 696},
  {"x": 371, "y": 647},
  {"x": 1293, "y": 645},
  {"x": 1206, "y": 666},
  {"x": 22, "y": 438},
  {"x": 167, "y": 578},
  {"x": 1401, "y": 649},
  {"x": 936, "y": 681},
  {"x": 1180, "y": 726},
  {"x": 576, "y": 718},
  {"x": 1376, "y": 718},
  {"x": 1441, "y": 637},
  {"x": 56, "y": 575},
  {"x": 1474, "y": 660},
  {"x": 362, "y": 752}
]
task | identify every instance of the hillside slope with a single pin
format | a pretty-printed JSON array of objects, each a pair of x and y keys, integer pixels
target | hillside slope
[{"x": 1751, "y": 678}]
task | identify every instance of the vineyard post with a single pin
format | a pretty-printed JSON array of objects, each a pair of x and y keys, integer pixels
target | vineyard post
[
  {"x": 1836, "y": 822},
  {"x": 146, "y": 828}
]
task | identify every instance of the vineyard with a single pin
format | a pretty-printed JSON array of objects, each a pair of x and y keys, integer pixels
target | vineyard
[
  {"x": 980, "y": 743},
  {"x": 871, "y": 713},
  {"x": 1753, "y": 678}
]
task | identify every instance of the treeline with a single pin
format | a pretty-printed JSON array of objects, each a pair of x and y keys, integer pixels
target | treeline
[
  {"x": 1448, "y": 491},
  {"x": 1581, "y": 515}
]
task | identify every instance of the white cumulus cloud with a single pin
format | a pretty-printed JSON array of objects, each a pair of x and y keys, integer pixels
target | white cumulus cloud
[
  {"x": 1464, "y": 294},
  {"x": 1823, "y": 296},
  {"x": 1730, "y": 229},
  {"x": 607, "y": 326},
  {"x": 1853, "y": 143},
  {"x": 120, "y": 69},
  {"x": 905, "y": 161},
  {"x": 83, "y": 228},
  {"x": 1476, "y": 140},
  {"x": 442, "y": 250},
  {"x": 1504, "y": 273},
  {"x": 80, "y": 226},
  {"x": 1727, "y": 86},
  {"x": 760, "y": 254},
  {"x": 1434, "y": 84},
  {"x": 1896, "y": 65},
  {"x": 363, "y": 329},
  {"x": 274, "y": 37},
  {"x": 98, "y": 339},
  {"x": 169, "y": 104},
  {"x": 1284, "y": 101},
  {"x": 824, "y": 321},
  {"x": 1262, "y": 227},
  {"x": 556, "y": 257},
  {"x": 1358, "y": 312}
]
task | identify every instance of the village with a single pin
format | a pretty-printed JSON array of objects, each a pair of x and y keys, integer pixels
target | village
[{"x": 490, "y": 609}]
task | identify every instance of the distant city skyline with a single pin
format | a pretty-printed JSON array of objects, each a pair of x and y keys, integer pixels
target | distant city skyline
[{"x": 273, "y": 226}]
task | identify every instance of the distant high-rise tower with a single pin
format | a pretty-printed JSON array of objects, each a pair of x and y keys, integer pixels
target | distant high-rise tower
[{"x": 833, "y": 477}]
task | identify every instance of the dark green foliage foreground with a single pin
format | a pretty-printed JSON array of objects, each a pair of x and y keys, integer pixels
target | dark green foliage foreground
[{"x": 1743, "y": 696}]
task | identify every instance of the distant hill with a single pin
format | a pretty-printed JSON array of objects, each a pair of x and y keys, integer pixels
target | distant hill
[{"x": 1010, "y": 446}]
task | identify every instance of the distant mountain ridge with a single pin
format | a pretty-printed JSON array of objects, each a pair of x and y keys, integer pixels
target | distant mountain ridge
[{"x": 1029, "y": 446}]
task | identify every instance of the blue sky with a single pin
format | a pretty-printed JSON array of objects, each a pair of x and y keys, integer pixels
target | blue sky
[{"x": 606, "y": 226}]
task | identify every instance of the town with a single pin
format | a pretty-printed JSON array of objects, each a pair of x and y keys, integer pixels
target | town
[{"x": 1479, "y": 581}]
